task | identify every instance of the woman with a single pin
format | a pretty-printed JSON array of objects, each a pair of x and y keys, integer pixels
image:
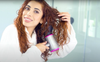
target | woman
[{"x": 24, "y": 40}]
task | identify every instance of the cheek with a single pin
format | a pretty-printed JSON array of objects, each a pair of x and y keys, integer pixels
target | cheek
[
  {"x": 38, "y": 17},
  {"x": 23, "y": 13}
]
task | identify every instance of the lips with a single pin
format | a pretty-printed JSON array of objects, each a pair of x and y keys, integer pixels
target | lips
[{"x": 27, "y": 19}]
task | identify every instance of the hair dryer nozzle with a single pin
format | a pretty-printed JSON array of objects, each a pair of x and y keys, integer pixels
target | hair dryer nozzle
[
  {"x": 55, "y": 50},
  {"x": 52, "y": 43}
]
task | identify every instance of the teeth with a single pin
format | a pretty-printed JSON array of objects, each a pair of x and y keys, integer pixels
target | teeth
[{"x": 28, "y": 19}]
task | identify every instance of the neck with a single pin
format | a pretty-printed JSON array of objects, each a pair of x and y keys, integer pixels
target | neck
[{"x": 30, "y": 30}]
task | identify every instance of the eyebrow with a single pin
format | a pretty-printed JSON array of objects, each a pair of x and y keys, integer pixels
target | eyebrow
[
  {"x": 34, "y": 8},
  {"x": 28, "y": 6}
]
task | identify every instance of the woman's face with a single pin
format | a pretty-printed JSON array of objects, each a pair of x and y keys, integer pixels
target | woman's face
[{"x": 32, "y": 14}]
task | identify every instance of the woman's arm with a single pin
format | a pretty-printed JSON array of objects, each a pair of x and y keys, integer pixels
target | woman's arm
[
  {"x": 65, "y": 16},
  {"x": 68, "y": 47}
]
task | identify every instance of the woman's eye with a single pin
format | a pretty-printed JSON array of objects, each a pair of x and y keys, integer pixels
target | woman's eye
[
  {"x": 26, "y": 8},
  {"x": 36, "y": 11}
]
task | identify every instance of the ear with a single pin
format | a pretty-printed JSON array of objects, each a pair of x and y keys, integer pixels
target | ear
[{"x": 41, "y": 21}]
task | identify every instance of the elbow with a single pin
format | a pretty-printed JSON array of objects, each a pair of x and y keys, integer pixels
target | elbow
[
  {"x": 76, "y": 42},
  {"x": 63, "y": 53},
  {"x": 62, "y": 56}
]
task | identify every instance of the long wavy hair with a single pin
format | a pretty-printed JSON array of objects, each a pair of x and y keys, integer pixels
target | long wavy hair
[{"x": 50, "y": 17}]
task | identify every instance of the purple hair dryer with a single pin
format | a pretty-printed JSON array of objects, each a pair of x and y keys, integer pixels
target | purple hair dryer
[{"x": 51, "y": 41}]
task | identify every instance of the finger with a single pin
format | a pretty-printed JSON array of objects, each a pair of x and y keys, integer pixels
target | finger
[
  {"x": 44, "y": 49},
  {"x": 44, "y": 42},
  {"x": 63, "y": 19},
  {"x": 47, "y": 47},
  {"x": 63, "y": 15},
  {"x": 57, "y": 13}
]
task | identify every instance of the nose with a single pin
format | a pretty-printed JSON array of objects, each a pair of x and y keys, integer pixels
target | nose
[{"x": 29, "y": 13}]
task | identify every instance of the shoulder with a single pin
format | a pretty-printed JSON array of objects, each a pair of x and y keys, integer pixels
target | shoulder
[
  {"x": 10, "y": 27},
  {"x": 9, "y": 31}
]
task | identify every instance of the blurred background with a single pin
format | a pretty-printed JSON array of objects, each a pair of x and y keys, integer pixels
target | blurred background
[{"x": 86, "y": 16}]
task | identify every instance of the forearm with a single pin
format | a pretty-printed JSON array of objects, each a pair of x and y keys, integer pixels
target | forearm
[
  {"x": 69, "y": 28},
  {"x": 33, "y": 54},
  {"x": 10, "y": 53}
]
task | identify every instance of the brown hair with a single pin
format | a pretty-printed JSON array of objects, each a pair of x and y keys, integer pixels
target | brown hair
[{"x": 50, "y": 17}]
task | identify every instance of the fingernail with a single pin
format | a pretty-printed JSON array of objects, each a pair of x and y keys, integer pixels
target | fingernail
[
  {"x": 58, "y": 15},
  {"x": 63, "y": 17}
]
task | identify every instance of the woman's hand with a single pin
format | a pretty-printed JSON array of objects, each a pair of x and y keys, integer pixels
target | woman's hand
[
  {"x": 42, "y": 46},
  {"x": 65, "y": 16}
]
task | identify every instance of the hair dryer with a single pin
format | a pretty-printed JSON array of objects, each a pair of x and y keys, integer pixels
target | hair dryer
[{"x": 51, "y": 41}]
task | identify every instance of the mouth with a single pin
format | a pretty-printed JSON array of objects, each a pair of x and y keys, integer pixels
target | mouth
[{"x": 27, "y": 19}]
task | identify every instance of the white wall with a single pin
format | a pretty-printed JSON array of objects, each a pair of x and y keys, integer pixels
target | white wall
[{"x": 8, "y": 12}]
